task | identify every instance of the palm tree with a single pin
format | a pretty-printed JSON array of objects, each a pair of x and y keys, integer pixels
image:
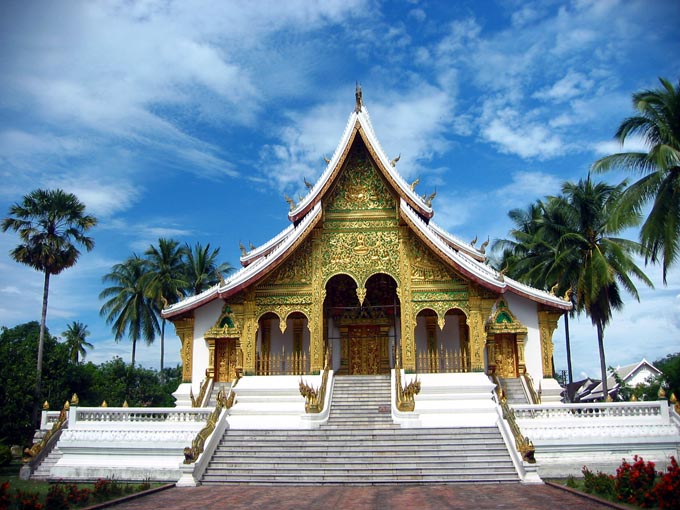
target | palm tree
[
  {"x": 50, "y": 224},
  {"x": 75, "y": 336},
  {"x": 201, "y": 269},
  {"x": 659, "y": 124},
  {"x": 167, "y": 278},
  {"x": 128, "y": 306},
  {"x": 530, "y": 255},
  {"x": 589, "y": 254}
]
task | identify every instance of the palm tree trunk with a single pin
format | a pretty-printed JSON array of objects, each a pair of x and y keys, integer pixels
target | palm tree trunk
[
  {"x": 162, "y": 346},
  {"x": 566, "y": 335},
  {"x": 41, "y": 343},
  {"x": 603, "y": 364},
  {"x": 134, "y": 348}
]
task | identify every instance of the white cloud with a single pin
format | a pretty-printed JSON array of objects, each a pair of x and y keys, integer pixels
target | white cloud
[
  {"x": 525, "y": 139},
  {"x": 632, "y": 144},
  {"x": 571, "y": 85}
]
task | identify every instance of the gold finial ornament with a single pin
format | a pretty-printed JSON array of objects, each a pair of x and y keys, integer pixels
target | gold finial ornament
[
  {"x": 634, "y": 398},
  {"x": 395, "y": 160},
  {"x": 244, "y": 252},
  {"x": 308, "y": 184},
  {"x": 325, "y": 158},
  {"x": 609, "y": 398},
  {"x": 430, "y": 198},
  {"x": 359, "y": 99},
  {"x": 67, "y": 406},
  {"x": 74, "y": 399},
  {"x": 482, "y": 248},
  {"x": 474, "y": 241},
  {"x": 290, "y": 201},
  {"x": 46, "y": 405},
  {"x": 662, "y": 393},
  {"x": 673, "y": 399},
  {"x": 125, "y": 404},
  {"x": 415, "y": 183},
  {"x": 553, "y": 289},
  {"x": 104, "y": 404},
  {"x": 567, "y": 295}
]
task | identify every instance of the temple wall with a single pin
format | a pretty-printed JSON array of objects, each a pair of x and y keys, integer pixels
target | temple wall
[
  {"x": 205, "y": 318},
  {"x": 526, "y": 312}
]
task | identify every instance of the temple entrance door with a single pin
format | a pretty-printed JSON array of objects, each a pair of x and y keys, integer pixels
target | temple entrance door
[
  {"x": 368, "y": 351},
  {"x": 225, "y": 360},
  {"x": 506, "y": 355}
]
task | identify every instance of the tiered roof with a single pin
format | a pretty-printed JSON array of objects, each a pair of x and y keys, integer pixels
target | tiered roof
[{"x": 415, "y": 210}]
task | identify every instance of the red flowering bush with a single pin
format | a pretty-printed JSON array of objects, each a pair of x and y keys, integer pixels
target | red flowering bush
[
  {"x": 5, "y": 497},
  {"x": 667, "y": 491},
  {"x": 56, "y": 498},
  {"x": 77, "y": 496},
  {"x": 27, "y": 501},
  {"x": 634, "y": 482}
]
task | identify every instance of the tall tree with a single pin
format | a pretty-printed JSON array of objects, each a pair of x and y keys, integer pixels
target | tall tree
[
  {"x": 75, "y": 337},
  {"x": 128, "y": 307},
  {"x": 167, "y": 278},
  {"x": 51, "y": 224},
  {"x": 591, "y": 255},
  {"x": 658, "y": 122},
  {"x": 201, "y": 268},
  {"x": 530, "y": 254}
]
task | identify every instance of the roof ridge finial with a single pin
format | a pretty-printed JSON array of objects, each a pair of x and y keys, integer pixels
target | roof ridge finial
[{"x": 359, "y": 100}]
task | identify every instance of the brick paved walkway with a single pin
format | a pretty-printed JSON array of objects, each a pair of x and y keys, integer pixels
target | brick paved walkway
[{"x": 426, "y": 497}]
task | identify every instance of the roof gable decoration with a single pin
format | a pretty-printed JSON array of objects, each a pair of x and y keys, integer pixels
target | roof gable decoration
[
  {"x": 503, "y": 320},
  {"x": 359, "y": 122}
]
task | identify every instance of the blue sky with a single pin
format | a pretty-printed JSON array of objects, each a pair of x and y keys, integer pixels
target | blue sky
[{"x": 192, "y": 119}]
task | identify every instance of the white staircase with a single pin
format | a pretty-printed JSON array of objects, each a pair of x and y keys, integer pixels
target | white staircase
[
  {"x": 42, "y": 472},
  {"x": 360, "y": 445},
  {"x": 514, "y": 391}
]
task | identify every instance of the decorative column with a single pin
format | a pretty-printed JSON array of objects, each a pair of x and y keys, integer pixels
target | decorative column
[
  {"x": 316, "y": 322},
  {"x": 408, "y": 342},
  {"x": 547, "y": 323},
  {"x": 464, "y": 341},
  {"x": 480, "y": 309},
  {"x": 184, "y": 328},
  {"x": 521, "y": 363},
  {"x": 249, "y": 334}
]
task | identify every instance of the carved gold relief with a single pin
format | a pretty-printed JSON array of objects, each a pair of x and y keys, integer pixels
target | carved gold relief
[
  {"x": 547, "y": 323},
  {"x": 359, "y": 185},
  {"x": 185, "y": 331},
  {"x": 297, "y": 269}
]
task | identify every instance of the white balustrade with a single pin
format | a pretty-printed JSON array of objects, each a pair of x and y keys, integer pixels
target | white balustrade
[
  {"x": 591, "y": 411},
  {"x": 139, "y": 415}
]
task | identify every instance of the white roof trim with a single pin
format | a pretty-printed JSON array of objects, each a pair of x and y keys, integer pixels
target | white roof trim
[
  {"x": 481, "y": 270},
  {"x": 462, "y": 245},
  {"x": 365, "y": 122},
  {"x": 245, "y": 274},
  {"x": 257, "y": 252}
]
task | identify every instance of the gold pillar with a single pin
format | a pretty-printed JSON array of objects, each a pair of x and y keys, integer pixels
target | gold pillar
[
  {"x": 210, "y": 371},
  {"x": 315, "y": 322},
  {"x": 547, "y": 323},
  {"x": 480, "y": 309},
  {"x": 521, "y": 364},
  {"x": 184, "y": 328},
  {"x": 249, "y": 335},
  {"x": 408, "y": 341},
  {"x": 464, "y": 341}
]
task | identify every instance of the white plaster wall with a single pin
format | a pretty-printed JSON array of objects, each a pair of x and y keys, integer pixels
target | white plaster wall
[
  {"x": 449, "y": 337},
  {"x": 205, "y": 318},
  {"x": 526, "y": 312},
  {"x": 640, "y": 376}
]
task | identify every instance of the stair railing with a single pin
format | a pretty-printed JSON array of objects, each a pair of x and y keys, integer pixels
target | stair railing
[
  {"x": 523, "y": 444},
  {"x": 193, "y": 452},
  {"x": 314, "y": 398},
  {"x": 534, "y": 395},
  {"x": 205, "y": 386},
  {"x": 405, "y": 394},
  {"x": 34, "y": 455}
]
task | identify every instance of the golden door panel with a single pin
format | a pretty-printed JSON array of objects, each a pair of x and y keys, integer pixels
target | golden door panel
[
  {"x": 367, "y": 350},
  {"x": 506, "y": 356},
  {"x": 225, "y": 360}
]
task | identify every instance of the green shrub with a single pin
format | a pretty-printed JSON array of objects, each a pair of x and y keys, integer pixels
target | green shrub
[
  {"x": 597, "y": 483},
  {"x": 571, "y": 482},
  {"x": 634, "y": 482},
  {"x": 5, "y": 455}
]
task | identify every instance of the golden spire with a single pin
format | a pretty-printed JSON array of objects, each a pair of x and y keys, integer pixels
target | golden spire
[{"x": 359, "y": 100}]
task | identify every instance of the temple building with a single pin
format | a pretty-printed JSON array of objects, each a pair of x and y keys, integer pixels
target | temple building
[
  {"x": 361, "y": 345},
  {"x": 364, "y": 275}
]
